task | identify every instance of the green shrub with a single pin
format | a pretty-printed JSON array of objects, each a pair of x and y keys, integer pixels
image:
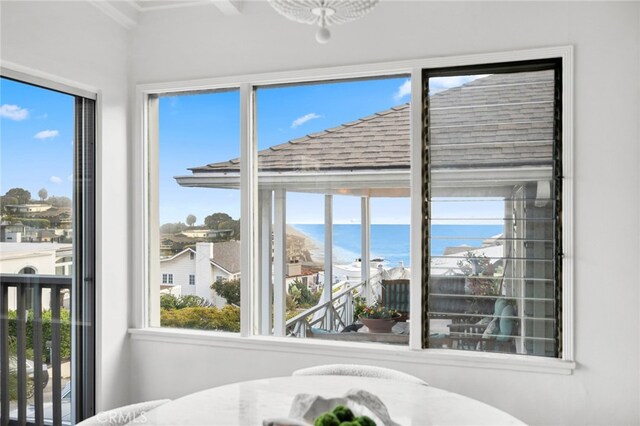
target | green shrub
[
  {"x": 169, "y": 301},
  {"x": 13, "y": 374},
  {"x": 229, "y": 289},
  {"x": 65, "y": 331},
  {"x": 202, "y": 318}
]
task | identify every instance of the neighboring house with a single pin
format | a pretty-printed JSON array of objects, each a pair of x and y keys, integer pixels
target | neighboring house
[
  {"x": 193, "y": 271},
  {"x": 220, "y": 233},
  {"x": 28, "y": 208},
  {"x": 307, "y": 276},
  {"x": 17, "y": 232},
  {"x": 58, "y": 217},
  {"x": 171, "y": 244},
  {"x": 449, "y": 263},
  {"x": 207, "y": 233},
  {"x": 196, "y": 233},
  {"x": 35, "y": 258}
]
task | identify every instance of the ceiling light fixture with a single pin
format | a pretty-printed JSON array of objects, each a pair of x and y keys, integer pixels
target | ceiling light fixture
[{"x": 324, "y": 13}]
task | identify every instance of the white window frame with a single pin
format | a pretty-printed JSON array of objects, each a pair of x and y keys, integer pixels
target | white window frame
[
  {"x": 146, "y": 217},
  {"x": 192, "y": 279}
]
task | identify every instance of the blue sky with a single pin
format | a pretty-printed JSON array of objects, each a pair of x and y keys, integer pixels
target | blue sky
[{"x": 36, "y": 139}]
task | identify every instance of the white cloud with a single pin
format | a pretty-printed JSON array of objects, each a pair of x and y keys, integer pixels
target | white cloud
[
  {"x": 438, "y": 84},
  {"x": 47, "y": 134},
  {"x": 13, "y": 112},
  {"x": 301, "y": 120},
  {"x": 403, "y": 90},
  {"x": 70, "y": 178},
  {"x": 55, "y": 179}
]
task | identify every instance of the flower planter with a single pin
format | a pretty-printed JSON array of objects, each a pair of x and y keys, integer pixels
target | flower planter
[{"x": 378, "y": 325}]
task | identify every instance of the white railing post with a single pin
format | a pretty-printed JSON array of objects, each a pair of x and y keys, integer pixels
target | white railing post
[
  {"x": 348, "y": 308},
  {"x": 365, "y": 255},
  {"x": 328, "y": 260},
  {"x": 266, "y": 288},
  {"x": 279, "y": 262}
]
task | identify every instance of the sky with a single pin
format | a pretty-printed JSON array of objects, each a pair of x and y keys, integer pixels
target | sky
[
  {"x": 36, "y": 139},
  {"x": 36, "y": 143}
]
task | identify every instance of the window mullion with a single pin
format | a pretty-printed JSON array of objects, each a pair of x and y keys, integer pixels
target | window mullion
[
  {"x": 416, "y": 250},
  {"x": 248, "y": 209}
]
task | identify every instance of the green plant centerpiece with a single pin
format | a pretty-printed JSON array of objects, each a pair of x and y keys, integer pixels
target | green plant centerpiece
[
  {"x": 378, "y": 318},
  {"x": 342, "y": 416}
]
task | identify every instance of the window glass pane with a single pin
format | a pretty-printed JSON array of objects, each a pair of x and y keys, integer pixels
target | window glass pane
[
  {"x": 36, "y": 238},
  {"x": 492, "y": 226},
  {"x": 199, "y": 222},
  {"x": 333, "y": 163}
]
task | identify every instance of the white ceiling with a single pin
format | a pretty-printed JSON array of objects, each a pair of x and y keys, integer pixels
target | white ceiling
[{"x": 127, "y": 12}]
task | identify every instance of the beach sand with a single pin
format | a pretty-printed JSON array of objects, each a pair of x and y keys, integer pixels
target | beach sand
[{"x": 300, "y": 246}]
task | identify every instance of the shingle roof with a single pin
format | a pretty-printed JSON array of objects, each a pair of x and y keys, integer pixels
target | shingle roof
[
  {"x": 227, "y": 255},
  {"x": 498, "y": 120},
  {"x": 366, "y": 143}
]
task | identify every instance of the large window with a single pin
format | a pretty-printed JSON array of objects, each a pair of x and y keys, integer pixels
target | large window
[
  {"x": 356, "y": 202},
  {"x": 326, "y": 151},
  {"x": 195, "y": 237},
  {"x": 493, "y": 185}
]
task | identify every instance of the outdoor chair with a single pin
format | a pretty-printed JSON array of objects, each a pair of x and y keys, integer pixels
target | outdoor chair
[
  {"x": 395, "y": 295},
  {"x": 493, "y": 333},
  {"x": 123, "y": 415},
  {"x": 359, "y": 371}
]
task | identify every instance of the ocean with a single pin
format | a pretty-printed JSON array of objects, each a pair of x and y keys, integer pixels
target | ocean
[{"x": 391, "y": 242}]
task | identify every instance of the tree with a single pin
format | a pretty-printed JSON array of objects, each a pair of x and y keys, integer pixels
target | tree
[
  {"x": 191, "y": 219},
  {"x": 172, "y": 228},
  {"x": 59, "y": 201},
  {"x": 7, "y": 200},
  {"x": 229, "y": 289},
  {"x": 43, "y": 194},
  {"x": 214, "y": 220},
  {"x": 302, "y": 296},
  {"x": 22, "y": 195}
]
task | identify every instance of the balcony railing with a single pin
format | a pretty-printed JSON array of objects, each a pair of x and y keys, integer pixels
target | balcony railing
[
  {"x": 333, "y": 315},
  {"x": 25, "y": 293}
]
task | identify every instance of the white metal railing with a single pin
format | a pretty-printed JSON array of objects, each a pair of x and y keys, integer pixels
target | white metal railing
[{"x": 332, "y": 315}]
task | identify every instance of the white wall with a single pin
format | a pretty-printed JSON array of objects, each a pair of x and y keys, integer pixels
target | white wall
[
  {"x": 74, "y": 41},
  {"x": 604, "y": 389}
]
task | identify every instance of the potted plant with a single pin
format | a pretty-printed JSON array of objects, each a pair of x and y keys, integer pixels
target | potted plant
[{"x": 378, "y": 318}]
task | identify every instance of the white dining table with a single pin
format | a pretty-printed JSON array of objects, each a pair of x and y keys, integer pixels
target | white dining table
[{"x": 251, "y": 402}]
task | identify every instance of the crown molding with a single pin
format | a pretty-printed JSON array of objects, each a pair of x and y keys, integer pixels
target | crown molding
[
  {"x": 123, "y": 13},
  {"x": 126, "y": 13}
]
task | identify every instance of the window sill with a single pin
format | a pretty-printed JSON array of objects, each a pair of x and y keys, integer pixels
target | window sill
[{"x": 371, "y": 351}]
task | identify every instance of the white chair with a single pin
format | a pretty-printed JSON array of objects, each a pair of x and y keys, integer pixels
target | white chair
[
  {"x": 122, "y": 415},
  {"x": 359, "y": 371}
]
